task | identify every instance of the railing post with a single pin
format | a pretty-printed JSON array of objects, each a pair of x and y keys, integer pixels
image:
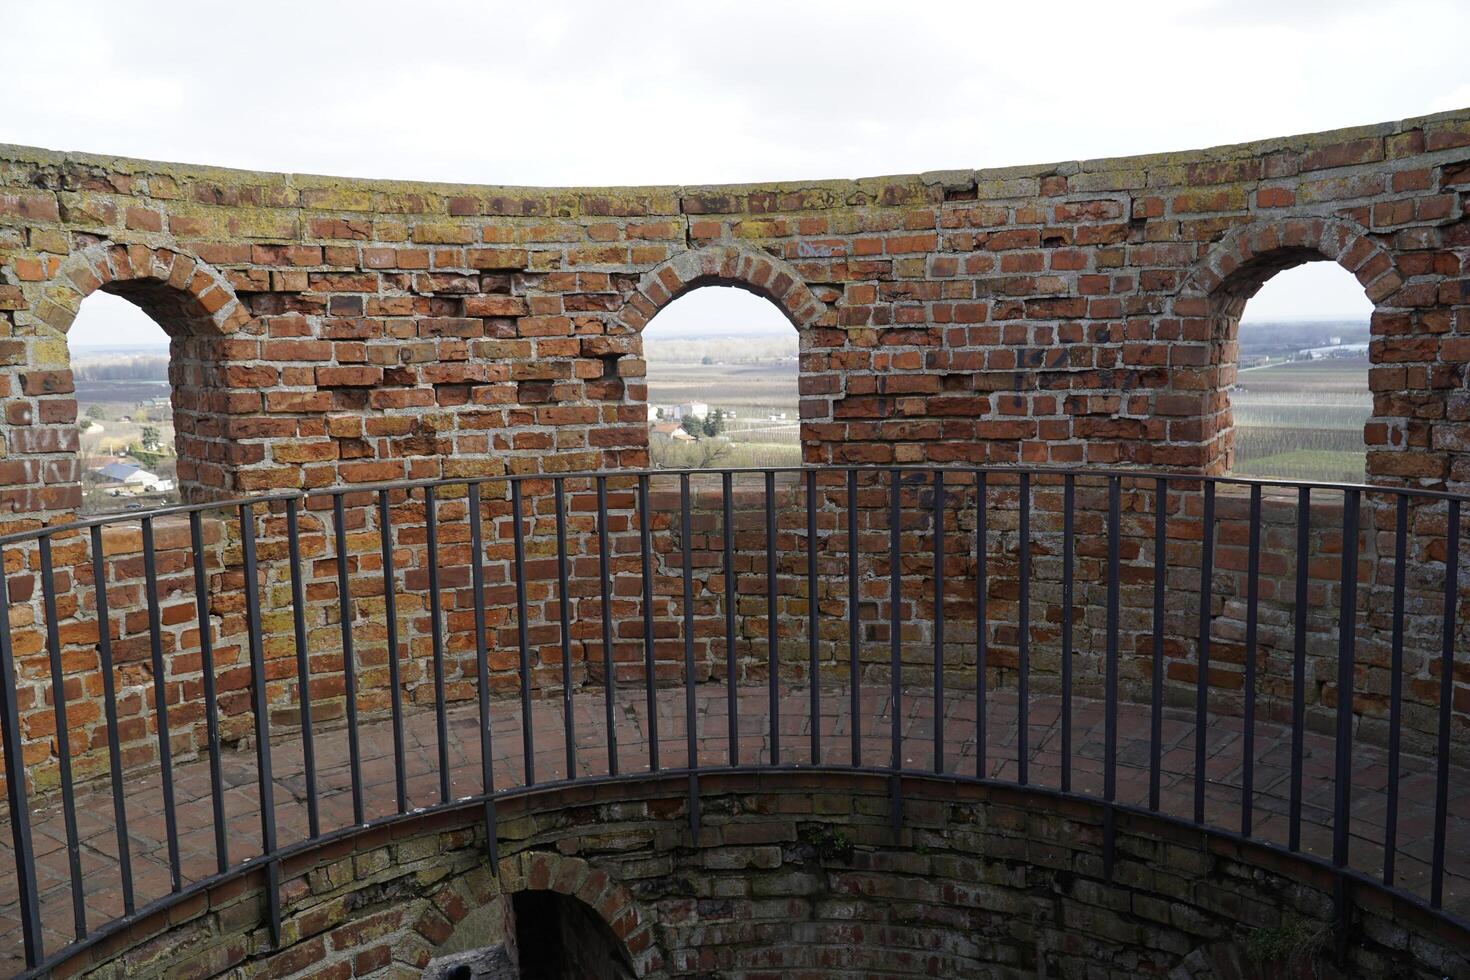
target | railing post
[
  {"x": 436, "y": 628},
  {"x": 63, "y": 739},
  {"x": 691, "y": 720},
  {"x": 773, "y": 635},
  {"x": 1299, "y": 666},
  {"x": 303, "y": 667},
  {"x": 564, "y": 617},
  {"x": 854, "y": 628},
  {"x": 895, "y": 647},
  {"x": 982, "y": 544},
  {"x": 1202, "y": 680},
  {"x": 1396, "y": 685},
  {"x": 160, "y": 703},
  {"x": 1342, "y": 779},
  {"x": 645, "y": 543},
  {"x": 390, "y": 625},
  {"x": 1253, "y": 590},
  {"x": 1446, "y": 701},
  {"x": 1156, "y": 699},
  {"x": 813, "y": 600},
  {"x": 731, "y": 701},
  {"x": 609, "y": 679},
  {"x": 939, "y": 621},
  {"x": 260, "y": 707},
  {"x": 1110, "y": 684},
  {"x": 523, "y": 646},
  {"x": 1068, "y": 503},
  {"x": 15, "y": 790},
  {"x": 109, "y": 707},
  {"x": 482, "y": 675},
  {"x": 1023, "y": 639},
  {"x": 349, "y": 658}
]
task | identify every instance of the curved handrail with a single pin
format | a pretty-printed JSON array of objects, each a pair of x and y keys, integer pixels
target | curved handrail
[{"x": 896, "y": 513}]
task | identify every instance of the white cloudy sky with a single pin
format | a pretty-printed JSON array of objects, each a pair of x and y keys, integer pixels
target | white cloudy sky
[{"x": 687, "y": 92}]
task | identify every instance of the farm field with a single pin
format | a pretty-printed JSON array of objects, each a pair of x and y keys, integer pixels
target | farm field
[{"x": 1302, "y": 420}]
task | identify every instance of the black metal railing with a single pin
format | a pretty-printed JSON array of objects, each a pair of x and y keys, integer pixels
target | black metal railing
[{"x": 625, "y": 562}]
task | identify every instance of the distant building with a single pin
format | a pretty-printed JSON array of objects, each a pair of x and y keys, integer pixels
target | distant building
[
  {"x": 1337, "y": 350},
  {"x": 669, "y": 430},
  {"x": 131, "y": 479},
  {"x": 687, "y": 410}
]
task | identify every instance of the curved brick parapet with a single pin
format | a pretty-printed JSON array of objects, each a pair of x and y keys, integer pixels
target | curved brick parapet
[
  {"x": 800, "y": 873},
  {"x": 1040, "y": 314}
]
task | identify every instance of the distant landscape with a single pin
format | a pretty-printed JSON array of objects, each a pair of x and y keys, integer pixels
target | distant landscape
[{"x": 124, "y": 411}]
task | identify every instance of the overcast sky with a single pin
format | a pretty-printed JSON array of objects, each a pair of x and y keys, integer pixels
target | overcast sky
[{"x": 690, "y": 92}]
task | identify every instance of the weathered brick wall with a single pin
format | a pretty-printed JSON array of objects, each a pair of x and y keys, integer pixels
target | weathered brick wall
[
  {"x": 331, "y": 330},
  {"x": 795, "y": 873},
  {"x": 339, "y": 332}
]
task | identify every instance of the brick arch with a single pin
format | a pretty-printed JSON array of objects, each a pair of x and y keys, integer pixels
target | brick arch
[
  {"x": 722, "y": 265},
  {"x": 1216, "y": 289},
  {"x": 183, "y": 294},
  {"x": 1242, "y": 262},
  {"x": 609, "y": 899}
]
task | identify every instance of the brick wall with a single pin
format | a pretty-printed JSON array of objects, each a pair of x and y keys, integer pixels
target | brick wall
[
  {"x": 793, "y": 873},
  {"x": 337, "y": 332},
  {"x": 329, "y": 330}
]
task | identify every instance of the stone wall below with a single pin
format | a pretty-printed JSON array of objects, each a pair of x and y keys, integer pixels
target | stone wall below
[{"x": 800, "y": 873}]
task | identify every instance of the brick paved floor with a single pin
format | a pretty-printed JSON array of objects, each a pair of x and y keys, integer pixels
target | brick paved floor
[{"x": 146, "y": 826}]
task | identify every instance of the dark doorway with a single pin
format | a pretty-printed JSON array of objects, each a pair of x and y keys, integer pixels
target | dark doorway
[{"x": 562, "y": 938}]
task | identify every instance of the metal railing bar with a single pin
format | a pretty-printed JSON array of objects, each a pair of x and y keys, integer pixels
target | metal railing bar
[
  {"x": 564, "y": 618},
  {"x": 982, "y": 551},
  {"x": 1023, "y": 638},
  {"x": 482, "y": 675},
  {"x": 814, "y": 677},
  {"x": 1299, "y": 666},
  {"x": 604, "y": 576},
  {"x": 1396, "y": 687},
  {"x": 1446, "y": 702},
  {"x": 109, "y": 708},
  {"x": 895, "y": 645},
  {"x": 523, "y": 647},
  {"x": 436, "y": 630},
  {"x": 303, "y": 667},
  {"x": 1069, "y": 491},
  {"x": 939, "y": 621},
  {"x": 645, "y": 543},
  {"x": 1248, "y": 721},
  {"x": 691, "y": 718},
  {"x": 1202, "y": 659},
  {"x": 63, "y": 737},
  {"x": 772, "y": 626},
  {"x": 1110, "y": 681},
  {"x": 349, "y": 658},
  {"x": 260, "y": 709},
  {"x": 1343, "y": 743},
  {"x": 1003, "y": 471},
  {"x": 390, "y": 624},
  {"x": 1156, "y": 679},
  {"x": 854, "y": 626},
  {"x": 160, "y": 702},
  {"x": 727, "y": 529},
  {"x": 15, "y": 790}
]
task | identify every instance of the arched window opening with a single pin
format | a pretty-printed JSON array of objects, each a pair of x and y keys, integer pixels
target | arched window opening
[
  {"x": 1301, "y": 397},
  {"x": 722, "y": 382},
  {"x": 120, "y": 365},
  {"x": 558, "y": 937}
]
